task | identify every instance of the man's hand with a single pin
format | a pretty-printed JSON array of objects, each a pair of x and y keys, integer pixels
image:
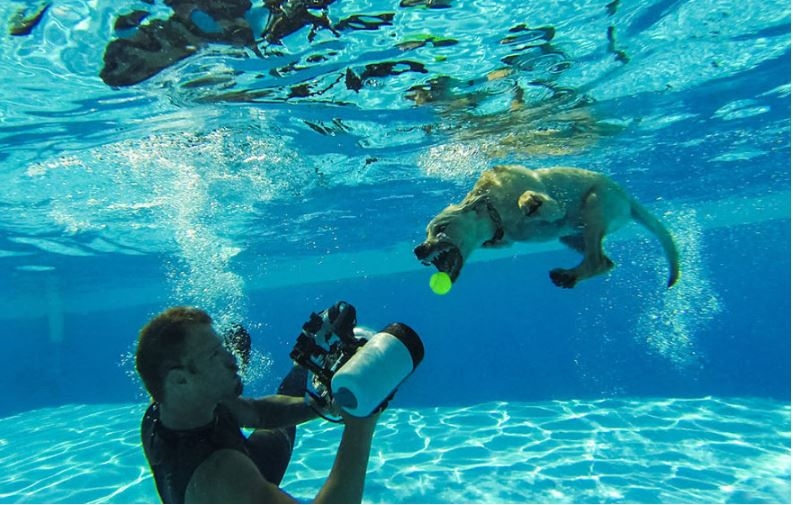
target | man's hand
[
  {"x": 324, "y": 406},
  {"x": 340, "y": 318}
]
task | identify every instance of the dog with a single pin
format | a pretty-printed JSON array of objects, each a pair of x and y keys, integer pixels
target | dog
[{"x": 511, "y": 203}]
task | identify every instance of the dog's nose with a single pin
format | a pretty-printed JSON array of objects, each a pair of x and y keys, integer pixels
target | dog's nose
[{"x": 421, "y": 250}]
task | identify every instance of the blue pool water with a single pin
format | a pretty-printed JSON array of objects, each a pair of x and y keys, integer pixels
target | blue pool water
[
  {"x": 268, "y": 180},
  {"x": 624, "y": 450}
]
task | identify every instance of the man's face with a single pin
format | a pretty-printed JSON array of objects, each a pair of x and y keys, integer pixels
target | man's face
[{"x": 211, "y": 369}]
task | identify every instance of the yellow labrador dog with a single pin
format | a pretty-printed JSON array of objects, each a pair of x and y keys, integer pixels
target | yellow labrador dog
[{"x": 511, "y": 203}]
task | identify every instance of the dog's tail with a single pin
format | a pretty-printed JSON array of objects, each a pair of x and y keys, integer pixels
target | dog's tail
[{"x": 649, "y": 221}]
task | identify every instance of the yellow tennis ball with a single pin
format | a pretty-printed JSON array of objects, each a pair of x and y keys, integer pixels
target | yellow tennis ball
[{"x": 440, "y": 283}]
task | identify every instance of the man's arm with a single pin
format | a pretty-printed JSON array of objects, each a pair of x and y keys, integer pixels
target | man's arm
[
  {"x": 229, "y": 476},
  {"x": 346, "y": 480},
  {"x": 274, "y": 411}
]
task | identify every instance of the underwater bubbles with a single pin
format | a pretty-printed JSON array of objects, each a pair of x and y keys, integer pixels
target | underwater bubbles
[
  {"x": 668, "y": 325},
  {"x": 127, "y": 365},
  {"x": 453, "y": 162},
  {"x": 189, "y": 197},
  {"x": 203, "y": 188},
  {"x": 188, "y": 180},
  {"x": 257, "y": 374},
  {"x": 200, "y": 273}
]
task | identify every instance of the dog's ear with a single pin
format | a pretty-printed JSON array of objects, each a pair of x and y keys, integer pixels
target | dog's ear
[{"x": 539, "y": 206}]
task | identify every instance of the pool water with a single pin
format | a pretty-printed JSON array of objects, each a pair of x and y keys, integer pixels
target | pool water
[
  {"x": 269, "y": 177},
  {"x": 613, "y": 450}
]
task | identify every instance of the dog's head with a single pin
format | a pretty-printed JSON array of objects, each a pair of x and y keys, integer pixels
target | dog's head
[{"x": 453, "y": 235}]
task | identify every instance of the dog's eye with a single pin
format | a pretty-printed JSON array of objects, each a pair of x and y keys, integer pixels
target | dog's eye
[{"x": 440, "y": 228}]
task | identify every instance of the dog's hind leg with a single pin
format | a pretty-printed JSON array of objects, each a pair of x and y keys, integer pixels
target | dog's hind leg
[
  {"x": 574, "y": 242},
  {"x": 589, "y": 243}
]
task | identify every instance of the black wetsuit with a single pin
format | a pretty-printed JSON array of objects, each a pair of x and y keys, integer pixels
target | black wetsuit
[{"x": 174, "y": 455}]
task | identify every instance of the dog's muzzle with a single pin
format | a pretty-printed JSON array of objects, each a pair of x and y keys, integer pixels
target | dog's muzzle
[{"x": 444, "y": 255}]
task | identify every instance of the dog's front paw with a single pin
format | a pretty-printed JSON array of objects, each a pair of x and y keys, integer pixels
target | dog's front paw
[{"x": 563, "y": 278}]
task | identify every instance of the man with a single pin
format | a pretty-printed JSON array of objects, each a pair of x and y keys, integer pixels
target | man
[{"x": 191, "y": 433}]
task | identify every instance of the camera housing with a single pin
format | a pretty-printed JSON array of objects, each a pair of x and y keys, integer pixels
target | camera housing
[
  {"x": 326, "y": 342},
  {"x": 355, "y": 374}
]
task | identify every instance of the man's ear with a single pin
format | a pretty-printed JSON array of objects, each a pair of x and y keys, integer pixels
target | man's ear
[{"x": 176, "y": 377}]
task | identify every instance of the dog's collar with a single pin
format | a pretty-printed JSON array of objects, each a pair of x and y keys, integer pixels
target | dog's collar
[{"x": 496, "y": 218}]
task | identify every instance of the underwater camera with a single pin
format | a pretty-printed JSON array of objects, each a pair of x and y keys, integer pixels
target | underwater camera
[{"x": 357, "y": 374}]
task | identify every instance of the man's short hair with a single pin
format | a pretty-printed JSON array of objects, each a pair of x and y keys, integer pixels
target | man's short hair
[{"x": 161, "y": 343}]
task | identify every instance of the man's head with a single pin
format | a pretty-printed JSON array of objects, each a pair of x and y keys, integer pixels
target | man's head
[{"x": 179, "y": 353}]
